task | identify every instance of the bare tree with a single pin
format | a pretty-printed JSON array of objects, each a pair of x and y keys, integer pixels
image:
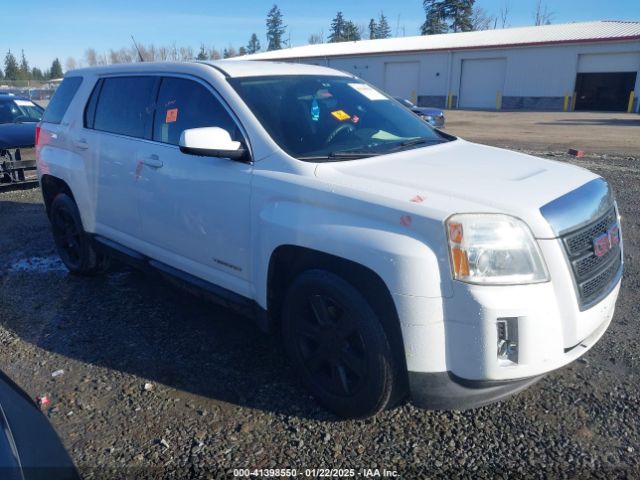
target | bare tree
[
  {"x": 186, "y": 54},
  {"x": 504, "y": 13},
  {"x": 542, "y": 15},
  {"x": 213, "y": 53},
  {"x": 481, "y": 20},
  {"x": 91, "y": 57},
  {"x": 70, "y": 64}
]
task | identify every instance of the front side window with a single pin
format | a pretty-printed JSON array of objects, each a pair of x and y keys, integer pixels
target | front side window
[
  {"x": 320, "y": 118},
  {"x": 183, "y": 104},
  {"x": 125, "y": 106}
]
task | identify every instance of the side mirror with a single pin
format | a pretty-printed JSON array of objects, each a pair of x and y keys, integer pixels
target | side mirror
[{"x": 211, "y": 142}]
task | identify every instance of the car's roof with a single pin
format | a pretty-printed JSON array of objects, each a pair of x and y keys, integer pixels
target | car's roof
[{"x": 230, "y": 68}]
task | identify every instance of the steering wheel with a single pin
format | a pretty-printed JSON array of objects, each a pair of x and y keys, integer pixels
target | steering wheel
[
  {"x": 338, "y": 130},
  {"x": 20, "y": 118}
]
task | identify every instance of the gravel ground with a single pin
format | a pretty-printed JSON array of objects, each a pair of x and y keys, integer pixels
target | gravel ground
[
  {"x": 594, "y": 132},
  {"x": 157, "y": 383}
]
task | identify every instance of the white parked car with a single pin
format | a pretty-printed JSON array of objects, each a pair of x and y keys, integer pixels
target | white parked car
[{"x": 393, "y": 259}]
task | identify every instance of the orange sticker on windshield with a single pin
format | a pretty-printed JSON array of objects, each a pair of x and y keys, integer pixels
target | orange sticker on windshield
[
  {"x": 172, "y": 115},
  {"x": 341, "y": 115}
]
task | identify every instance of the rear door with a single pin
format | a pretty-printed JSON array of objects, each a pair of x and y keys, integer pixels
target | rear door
[
  {"x": 118, "y": 121},
  {"x": 195, "y": 210}
]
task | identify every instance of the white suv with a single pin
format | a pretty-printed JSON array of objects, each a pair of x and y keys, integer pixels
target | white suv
[{"x": 392, "y": 258}]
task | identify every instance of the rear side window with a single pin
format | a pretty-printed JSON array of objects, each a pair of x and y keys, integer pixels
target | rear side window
[
  {"x": 61, "y": 100},
  {"x": 90, "y": 110},
  {"x": 184, "y": 104},
  {"x": 125, "y": 106}
]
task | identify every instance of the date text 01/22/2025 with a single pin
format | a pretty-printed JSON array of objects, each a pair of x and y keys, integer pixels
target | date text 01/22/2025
[{"x": 315, "y": 473}]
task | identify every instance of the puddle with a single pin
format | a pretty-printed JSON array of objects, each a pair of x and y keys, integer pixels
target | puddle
[{"x": 39, "y": 265}]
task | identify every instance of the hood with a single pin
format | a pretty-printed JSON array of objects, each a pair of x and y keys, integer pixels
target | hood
[
  {"x": 434, "y": 112},
  {"x": 459, "y": 177},
  {"x": 14, "y": 135}
]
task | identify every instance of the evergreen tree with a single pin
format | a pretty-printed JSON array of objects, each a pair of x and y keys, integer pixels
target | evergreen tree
[
  {"x": 11, "y": 70},
  {"x": 337, "y": 29},
  {"x": 460, "y": 13},
  {"x": 242, "y": 51},
  {"x": 275, "y": 29},
  {"x": 444, "y": 16},
  {"x": 36, "y": 74},
  {"x": 373, "y": 29},
  {"x": 25, "y": 73},
  {"x": 435, "y": 21},
  {"x": 383, "y": 31},
  {"x": 253, "y": 45},
  {"x": 1, "y": 75},
  {"x": 351, "y": 32},
  {"x": 56, "y": 69},
  {"x": 202, "y": 54}
]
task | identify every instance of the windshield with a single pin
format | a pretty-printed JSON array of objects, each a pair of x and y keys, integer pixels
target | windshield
[
  {"x": 16, "y": 110},
  {"x": 319, "y": 118}
]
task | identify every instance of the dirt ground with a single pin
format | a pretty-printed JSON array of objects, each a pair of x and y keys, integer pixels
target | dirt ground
[{"x": 599, "y": 133}]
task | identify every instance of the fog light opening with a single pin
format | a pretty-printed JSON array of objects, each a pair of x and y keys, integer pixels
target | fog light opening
[{"x": 507, "y": 344}]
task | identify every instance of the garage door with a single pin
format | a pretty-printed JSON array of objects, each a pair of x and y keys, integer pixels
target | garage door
[
  {"x": 401, "y": 79},
  {"x": 605, "y": 81},
  {"x": 609, "y": 62},
  {"x": 480, "y": 81}
]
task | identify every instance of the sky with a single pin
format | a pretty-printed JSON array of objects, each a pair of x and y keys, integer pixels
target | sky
[{"x": 48, "y": 29}]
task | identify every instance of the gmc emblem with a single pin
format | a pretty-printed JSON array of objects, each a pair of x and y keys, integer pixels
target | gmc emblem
[{"x": 605, "y": 242}]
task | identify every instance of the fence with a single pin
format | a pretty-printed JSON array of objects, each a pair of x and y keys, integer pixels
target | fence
[{"x": 33, "y": 89}]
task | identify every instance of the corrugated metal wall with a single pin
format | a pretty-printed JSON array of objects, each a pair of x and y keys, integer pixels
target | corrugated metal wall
[{"x": 541, "y": 77}]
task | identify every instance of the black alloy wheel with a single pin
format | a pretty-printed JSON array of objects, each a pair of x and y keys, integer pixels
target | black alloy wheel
[
  {"x": 73, "y": 244},
  {"x": 337, "y": 344}
]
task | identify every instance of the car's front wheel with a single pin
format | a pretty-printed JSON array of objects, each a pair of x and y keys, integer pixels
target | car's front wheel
[
  {"x": 73, "y": 244},
  {"x": 337, "y": 344}
]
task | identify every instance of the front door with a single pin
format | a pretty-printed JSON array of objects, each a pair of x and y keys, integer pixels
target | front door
[{"x": 195, "y": 210}]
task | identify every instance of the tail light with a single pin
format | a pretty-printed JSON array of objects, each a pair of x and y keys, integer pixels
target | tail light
[{"x": 37, "y": 134}]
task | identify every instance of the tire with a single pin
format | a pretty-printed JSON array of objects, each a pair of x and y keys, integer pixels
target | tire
[
  {"x": 72, "y": 242},
  {"x": 337, "y": 344}
]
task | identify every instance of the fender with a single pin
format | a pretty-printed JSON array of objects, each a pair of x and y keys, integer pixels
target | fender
[
  {"x": 403, "y": 260},
  {"x": 68, "y": 166}
]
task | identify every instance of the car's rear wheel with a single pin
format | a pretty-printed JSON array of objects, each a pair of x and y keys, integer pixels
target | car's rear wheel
[
  {"x": 73, "y": 244},
  {"x": 337, "y": 344}
]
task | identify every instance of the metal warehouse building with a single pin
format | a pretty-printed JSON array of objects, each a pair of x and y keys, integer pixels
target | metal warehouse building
[{"x": 581, "y": 66}]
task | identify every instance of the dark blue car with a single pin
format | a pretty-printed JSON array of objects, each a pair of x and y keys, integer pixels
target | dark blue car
[
  {"x": 18, "y": 119},
  {"x": 433, "y": 116}
]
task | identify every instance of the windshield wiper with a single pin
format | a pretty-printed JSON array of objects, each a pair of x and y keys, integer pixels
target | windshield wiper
[
  {"x": 341, "y": 155},
  {"x": 415, "y": 142}
]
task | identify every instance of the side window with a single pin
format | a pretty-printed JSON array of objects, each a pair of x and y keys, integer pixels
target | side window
[
  {"x": 125, "y": 105},
  {"x": 61, "y": 100},
  {"x": 184, "y": 104},
  {"x": 90, "y": 110}
]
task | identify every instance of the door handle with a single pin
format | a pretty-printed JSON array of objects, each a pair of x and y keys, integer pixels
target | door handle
[
  {"x": 81, "y": 144},
  {"x": 153, "y": 161}
]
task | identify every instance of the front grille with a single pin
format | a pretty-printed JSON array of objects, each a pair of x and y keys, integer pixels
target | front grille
[
  {"x": 593, "y": 275},
  {"x": 583, "y": 239}
]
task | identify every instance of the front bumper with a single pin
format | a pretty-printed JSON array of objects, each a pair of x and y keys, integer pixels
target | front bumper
[
  {"x": 445, "y": 391},
  {"x": 451, "y": 343}
]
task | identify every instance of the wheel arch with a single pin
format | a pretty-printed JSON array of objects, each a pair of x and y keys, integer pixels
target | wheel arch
[
  {"x": 288, "y": 261},
  {"x": 52, "y": 186}
]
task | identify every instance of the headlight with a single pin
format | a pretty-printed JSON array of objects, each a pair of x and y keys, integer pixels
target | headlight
[
  {"x": 428, "y": 118},
  {"x": 494, "y": 249}
]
